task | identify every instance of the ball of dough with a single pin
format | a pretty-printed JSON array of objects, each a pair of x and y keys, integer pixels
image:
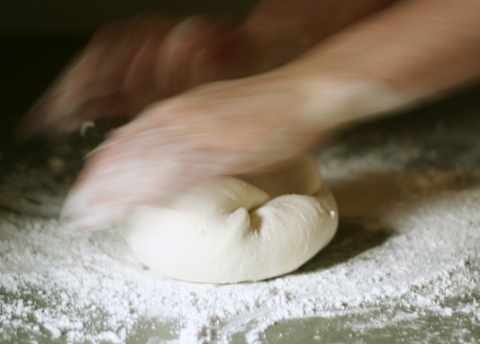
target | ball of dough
[{"x": 233, "y": 229}]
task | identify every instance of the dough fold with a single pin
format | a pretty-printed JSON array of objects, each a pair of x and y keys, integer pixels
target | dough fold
[{"x": 234, "y": 229}]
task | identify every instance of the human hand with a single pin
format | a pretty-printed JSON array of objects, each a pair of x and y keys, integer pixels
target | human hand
[
  {"x": 228, "y": 127},
  {"x": 128, "y": 65}
]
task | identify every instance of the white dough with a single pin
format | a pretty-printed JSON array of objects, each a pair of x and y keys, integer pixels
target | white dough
[{"x": 227, "y": 230}]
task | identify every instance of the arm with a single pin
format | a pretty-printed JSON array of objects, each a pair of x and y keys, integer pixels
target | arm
[
  {"x": 416, "y": 49},
  {"x": 128, "y": 65},
  {"x": 284, "y": 29}
]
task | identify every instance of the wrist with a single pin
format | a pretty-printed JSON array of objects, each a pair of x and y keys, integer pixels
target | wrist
[{"x": 336, "y": 100}]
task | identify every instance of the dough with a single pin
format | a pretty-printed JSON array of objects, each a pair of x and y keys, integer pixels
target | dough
[{"x": 233, "y": 229}]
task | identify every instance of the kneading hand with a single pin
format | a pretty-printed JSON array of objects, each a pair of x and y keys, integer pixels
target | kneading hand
[
  {"x": 223, "y": 128},
  {"x": 128, "y": 65}
]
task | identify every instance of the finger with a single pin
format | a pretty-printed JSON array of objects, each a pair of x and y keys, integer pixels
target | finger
[
  {"x": 184, "y": 43},
  {"x": 98, "y": 75},
  {"x": 139, "y": 84},
  {"x": 124, "y": 173},
  {"x": 61, "y": 97},
  {"x": 128, "y": 42}
]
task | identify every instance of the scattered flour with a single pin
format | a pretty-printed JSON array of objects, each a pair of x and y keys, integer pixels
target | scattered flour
[{"x": 405, "y": 261}]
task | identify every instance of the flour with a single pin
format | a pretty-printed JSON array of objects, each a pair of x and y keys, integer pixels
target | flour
[{"x": 405, "y": 261}]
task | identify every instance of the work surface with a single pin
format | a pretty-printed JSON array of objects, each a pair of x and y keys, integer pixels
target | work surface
[{"x": 403, "y": 268}]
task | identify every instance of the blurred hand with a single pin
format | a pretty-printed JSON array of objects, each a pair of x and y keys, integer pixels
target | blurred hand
[
  {"x": 223, "y": 128},
  {"x": 129, "y": 65}
]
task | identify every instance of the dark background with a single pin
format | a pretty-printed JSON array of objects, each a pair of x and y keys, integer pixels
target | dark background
[{"x": 79, "y": 17}]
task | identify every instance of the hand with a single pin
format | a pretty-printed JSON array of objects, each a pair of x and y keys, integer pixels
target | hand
[
  {"x": 129, "y": 65},
  {"x": 223, "y": 128}
]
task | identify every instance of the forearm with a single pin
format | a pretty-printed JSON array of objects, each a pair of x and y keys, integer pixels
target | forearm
[
  {"x": 414, "y": 49},
  {"x": 286, "y": 28}
]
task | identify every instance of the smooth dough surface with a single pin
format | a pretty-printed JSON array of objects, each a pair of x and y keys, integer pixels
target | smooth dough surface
[{"x": 233, "y": 229}]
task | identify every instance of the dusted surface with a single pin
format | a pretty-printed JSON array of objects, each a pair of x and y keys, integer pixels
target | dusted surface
[{"x": 404, "y": 266}]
